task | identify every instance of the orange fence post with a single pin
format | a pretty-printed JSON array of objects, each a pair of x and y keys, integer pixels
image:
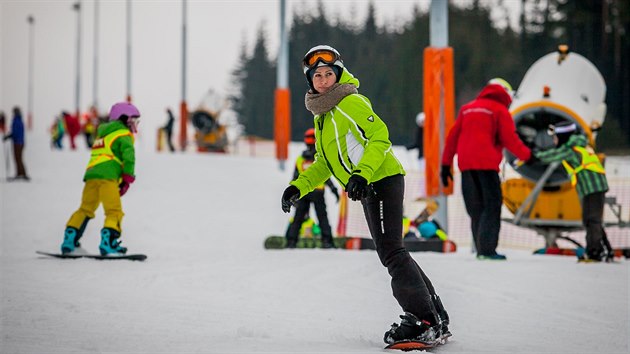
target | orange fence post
[
  {"x": 183, "y": 128},
  {"x": 282, "y": 126},
  {"x": 439, "y": 100}
]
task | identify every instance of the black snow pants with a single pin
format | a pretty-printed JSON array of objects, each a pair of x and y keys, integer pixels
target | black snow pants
[
  {"x": 384, "y": 212},
  {"x": 301, "y": 212},
  {"x": 593, "y": 220},
  {"x": 483, "y": 198}
]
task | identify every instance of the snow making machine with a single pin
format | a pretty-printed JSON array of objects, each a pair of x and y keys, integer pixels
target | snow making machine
[
  {"x": 210, "y": 132},
  {"x": 561, "y": 86}
]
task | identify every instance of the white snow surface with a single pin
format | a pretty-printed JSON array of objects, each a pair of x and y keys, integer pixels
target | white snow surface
[{"x": 208, "y": 285}]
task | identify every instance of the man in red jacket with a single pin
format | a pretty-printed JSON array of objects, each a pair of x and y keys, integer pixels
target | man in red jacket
[{"x": 483, "y": 128}]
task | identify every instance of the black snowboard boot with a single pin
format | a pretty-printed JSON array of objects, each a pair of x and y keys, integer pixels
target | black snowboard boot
[
  {"x": 443, "y": 317},
  {"x": 327, "y": 242},
  {"x": 291, "y": 243},
  {"x": 412, "y": 328}
]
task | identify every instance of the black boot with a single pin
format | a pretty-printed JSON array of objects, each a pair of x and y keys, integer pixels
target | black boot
[
  {"x": 327, "y": 242},
  {"x": 412, "y": 328},
  {"x": 442, "y": 317},
  {"x": 291, "y": 243}
]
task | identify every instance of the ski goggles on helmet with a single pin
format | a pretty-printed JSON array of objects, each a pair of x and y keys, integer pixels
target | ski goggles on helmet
[
  {"x": 323, "y": 56},
  {"x": 133, "y": 123},
  {"x": 561, "y": 129}
]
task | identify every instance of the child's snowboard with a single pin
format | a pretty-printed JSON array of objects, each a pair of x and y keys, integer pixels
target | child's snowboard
[{"x": 130, "y": 257}]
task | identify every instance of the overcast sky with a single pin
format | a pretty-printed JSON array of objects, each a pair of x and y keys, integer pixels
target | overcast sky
[{"x": 216, "y": 31}]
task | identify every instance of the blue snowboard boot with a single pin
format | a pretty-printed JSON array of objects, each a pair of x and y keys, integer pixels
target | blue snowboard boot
[
  {"x": 70, "y": 240},
  {"x": 110, "y": 245}
]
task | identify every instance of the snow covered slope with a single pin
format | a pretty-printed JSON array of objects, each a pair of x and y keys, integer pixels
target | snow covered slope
[{"x": 210, "y": 287}]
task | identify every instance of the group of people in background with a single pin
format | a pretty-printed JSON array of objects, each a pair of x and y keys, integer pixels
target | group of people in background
[{"x": 71, "y": 125}]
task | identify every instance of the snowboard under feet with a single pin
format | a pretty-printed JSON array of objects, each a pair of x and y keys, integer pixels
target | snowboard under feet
[{"x": 130, "y": 257}]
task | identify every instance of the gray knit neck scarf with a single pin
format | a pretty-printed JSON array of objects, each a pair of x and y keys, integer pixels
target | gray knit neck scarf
[{"x": 319, "y": 103}]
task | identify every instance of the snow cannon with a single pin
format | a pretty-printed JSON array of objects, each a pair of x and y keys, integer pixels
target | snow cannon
[
  {"x": 559, "y": 87},
  {"x": 210, "y": 135}
]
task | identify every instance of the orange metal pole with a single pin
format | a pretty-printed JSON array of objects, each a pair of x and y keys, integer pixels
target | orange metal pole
[
  {"x": 439, "y": 100},
  {"x": 282, "y": 126},
  {"x": 183, "y": 131}
]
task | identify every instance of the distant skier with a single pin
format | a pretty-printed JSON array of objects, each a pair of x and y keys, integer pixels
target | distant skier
[
  {"x": 588, "y": 176},
  {"x": 353, "y": 146},
  {"x": 18, "y": 137},
  {"x": 168, "y": 129},
  {"x": 109, "y": 174},
  {"x": 316, "y": 197}
]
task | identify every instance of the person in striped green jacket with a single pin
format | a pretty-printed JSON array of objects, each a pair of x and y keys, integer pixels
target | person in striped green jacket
[{"x": 588, "y": 176}]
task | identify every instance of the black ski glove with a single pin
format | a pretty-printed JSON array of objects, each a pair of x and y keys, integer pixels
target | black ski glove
[
  {"x": 357, "y": 187},
  {"x": 290, "y": 197},
  {"x": 446, "y": 174},
  {"x": 532, "y": 160}
]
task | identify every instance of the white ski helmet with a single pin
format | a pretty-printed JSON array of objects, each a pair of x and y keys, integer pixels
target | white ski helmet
[{"x": 321, "y": 55}]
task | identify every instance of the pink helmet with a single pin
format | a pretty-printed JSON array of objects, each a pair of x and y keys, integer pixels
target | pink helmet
[{"x": 123, "y": 109}]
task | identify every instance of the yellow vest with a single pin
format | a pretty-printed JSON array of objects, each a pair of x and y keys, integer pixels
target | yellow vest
[
  {"x": 590, "y": 162},
  {"x": 102, "y": 148},
  {"x": 302, "y": 164}
]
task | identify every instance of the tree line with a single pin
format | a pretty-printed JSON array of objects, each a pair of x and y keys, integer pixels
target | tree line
[{"x": 388, "y": 60}]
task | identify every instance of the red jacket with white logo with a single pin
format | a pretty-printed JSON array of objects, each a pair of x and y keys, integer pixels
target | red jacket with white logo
[{"x": 482, "y": 129}]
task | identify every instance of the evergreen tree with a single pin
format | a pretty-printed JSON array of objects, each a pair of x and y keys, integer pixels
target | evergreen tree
[{"x": 389, "y": 63}]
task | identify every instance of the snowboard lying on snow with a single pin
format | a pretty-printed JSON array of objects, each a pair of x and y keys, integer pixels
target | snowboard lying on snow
[
  {"x": 619, "y": 252},
  {"x": 363, "y": 243},
  {"x": 130, "y": 257}
]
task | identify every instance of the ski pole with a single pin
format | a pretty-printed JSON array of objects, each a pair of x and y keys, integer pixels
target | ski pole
[{"x": 6, "y": 160}]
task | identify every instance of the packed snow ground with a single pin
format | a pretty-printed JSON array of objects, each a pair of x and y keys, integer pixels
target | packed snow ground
[{"x": 208, "y": 285}]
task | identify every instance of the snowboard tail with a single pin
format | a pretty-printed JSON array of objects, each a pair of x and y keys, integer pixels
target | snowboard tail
[
  {"x": 408, "y": 345},
  {"x": 130, "y": 257}
]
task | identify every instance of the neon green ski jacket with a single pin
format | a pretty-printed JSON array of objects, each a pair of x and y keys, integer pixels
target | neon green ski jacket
[{"x": 351, "y": 139}]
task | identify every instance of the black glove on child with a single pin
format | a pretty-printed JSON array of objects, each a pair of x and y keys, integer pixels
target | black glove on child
[
  {"x": 532, "y": 160},
  {"x": 357, "y": 187},
  {"x": 446, "y": 174},
  {"x": 290, "y": 197}
]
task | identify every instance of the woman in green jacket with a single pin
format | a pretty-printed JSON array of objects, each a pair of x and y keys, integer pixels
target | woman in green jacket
[
  {"x": 353, "y": 145},
  {"x": 108, "y": 176}
]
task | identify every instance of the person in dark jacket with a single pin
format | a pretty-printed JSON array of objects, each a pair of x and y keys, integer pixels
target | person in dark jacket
[
  {"x": 168, "y": 129},
  {"x": 588, "y": 176},
  {"x": 316, "y": 197},
  {"x": 17, "y": 136},
  {"x": 483, "y": 128}
]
